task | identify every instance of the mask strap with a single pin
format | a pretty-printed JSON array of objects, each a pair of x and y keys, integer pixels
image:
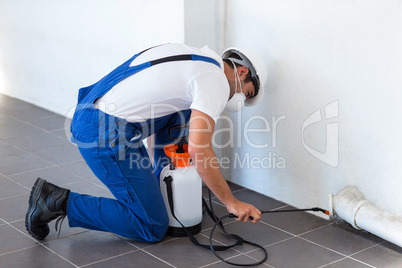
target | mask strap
[{"x": 237, "y": 78}]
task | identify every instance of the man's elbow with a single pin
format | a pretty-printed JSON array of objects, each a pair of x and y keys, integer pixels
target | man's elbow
[{"x": 197, "y": 151}]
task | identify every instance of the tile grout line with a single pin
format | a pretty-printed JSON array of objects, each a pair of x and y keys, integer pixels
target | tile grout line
[
  {"x": 217, "y": 241},
  {"x": 10, "y": 179},
  {"x": 25, "y": 151},
  {"x": 266, "y": 246},
  {"x": 362, "y": 262},
  {"x": 312, "y": 230},
  {"x": 30, "y": 124},
  {"x": 4, "y": 198},
  {"x": 162, "y": 242},
  {"x": 351, "y": 255},
  {"x": 314, "y": 243},
  {"x": 380, "y": 243},
  {"x": 110, "y": 258},
  {"x": 368, "y": 265},
  {"x": 273, "y": 226},
  {"x": 266, "y": 264},
  {"x": 46, "y": 131},
  {"x": 235, "y": 191},
  {"x": 22, "y": 149},
  {"x": 325, "y": 265},
  {"x": 228, "y": 258},
  {"x": 345, "y": 256},
  {"x": 23, "y": 172},
  {"x": 40, "y": 244},
  {"x": 152, "y": 255},
  {"x": 18, "y": 250}
]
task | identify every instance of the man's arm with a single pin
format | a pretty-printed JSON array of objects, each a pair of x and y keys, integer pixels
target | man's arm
[{"x": 206, "y": 163}]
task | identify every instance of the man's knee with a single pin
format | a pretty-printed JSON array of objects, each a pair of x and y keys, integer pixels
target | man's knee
[
  {"x": 159, "y": 231},
  {"x": 149, "y": 233},
  {"x": 146, "y": 231}
]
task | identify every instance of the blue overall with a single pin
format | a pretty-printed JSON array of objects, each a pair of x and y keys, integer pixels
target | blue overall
[{"x": 113, "y": 149}]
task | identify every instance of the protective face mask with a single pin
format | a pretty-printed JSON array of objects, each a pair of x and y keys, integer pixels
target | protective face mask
[{"x": 236, "y": 103}]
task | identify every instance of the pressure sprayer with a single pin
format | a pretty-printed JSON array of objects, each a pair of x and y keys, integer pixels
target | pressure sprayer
[{"x": 181, "y": 188}]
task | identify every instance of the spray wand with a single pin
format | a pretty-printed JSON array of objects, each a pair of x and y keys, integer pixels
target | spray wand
[
  {"x": 316, "y": 209},
  {"x": 239, "y": 240}
]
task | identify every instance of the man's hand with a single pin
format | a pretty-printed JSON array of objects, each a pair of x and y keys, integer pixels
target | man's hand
[
  {"x": 205, "y": 161},
  {"x": 244, "y": 212}
]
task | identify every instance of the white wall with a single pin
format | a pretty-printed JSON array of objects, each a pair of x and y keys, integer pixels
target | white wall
[
  {"x": 205, "y": 23},
  {"x": 318, "y": 52},
  {"x": 49, "y": 49},
  {"x": 344, "y": 53}
]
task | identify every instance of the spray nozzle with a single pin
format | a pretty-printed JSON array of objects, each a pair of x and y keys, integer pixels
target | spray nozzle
[{"x": 316, "y": 209}]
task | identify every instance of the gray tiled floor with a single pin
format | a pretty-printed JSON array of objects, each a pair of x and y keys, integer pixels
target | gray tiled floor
[{"x": 33, "y": 143}]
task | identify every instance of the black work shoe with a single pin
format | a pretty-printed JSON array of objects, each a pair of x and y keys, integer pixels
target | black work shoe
[{"x": 45, "y": 204}]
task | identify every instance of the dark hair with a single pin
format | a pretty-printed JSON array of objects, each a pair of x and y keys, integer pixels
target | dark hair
[{"x": 229, "y": 62}]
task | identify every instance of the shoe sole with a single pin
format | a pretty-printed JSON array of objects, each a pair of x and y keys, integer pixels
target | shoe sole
[{"x": 33, "y": 205}]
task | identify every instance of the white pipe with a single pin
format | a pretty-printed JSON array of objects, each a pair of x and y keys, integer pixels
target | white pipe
[{"x": 351, "y": 205}]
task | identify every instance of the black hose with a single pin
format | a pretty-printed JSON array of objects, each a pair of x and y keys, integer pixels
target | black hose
[
  {"x": 236, "y": 238},
  {"x": 218, "y": 222}
]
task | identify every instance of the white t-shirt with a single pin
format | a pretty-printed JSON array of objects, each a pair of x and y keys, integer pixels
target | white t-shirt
[{"x": 169, "y": 87}]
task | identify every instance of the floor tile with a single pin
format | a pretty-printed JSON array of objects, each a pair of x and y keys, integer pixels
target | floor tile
[
  {"x": 49, "y": 147},
  {"x": 297, "y": 253},
  {"x": 219, "y": 211},
  {"x": 60, "y": 154},
  {"x": 90, "y": 247},
  {"x": 15, "y": 160},
  {"x": 14, "y": 208},
  {"x": 241, "y": 259},
  {"x": 25, "y": 111},
  {"x": 342, "y": 238},
  {"x": 97, "y": 182},
  {"x": 233, "y": 187},
  {"x": 182, "y": 253},
  {"x": 35, "y": 143},
  {"x": 23, "y": 162},
  {"x": 38, "y": 142},
  {"x": 258, "y": 233},
  {"x": 294, "y": 222},
  {"x": 11, "y": 106},
  {"x": 10, "y": 188},
  {"x": 63, "y": 133},
  {"x": 347, "y": 263},
  {"x": 55, "y": 175},
  {"x": 35, "y": 257},
  {"x": 50, "y": 122},
  {"x": 12, "y": 240},
  {"x": 7, "y": 150},
  {"x": 259, "y": 201},
  {"x": 134, "y": 259},
  {"x": 386, "y": 255},
  {"x": 14, "y": 129},
  {"x": 144, "y": 245},
  {"x": 53, "y": 234}
]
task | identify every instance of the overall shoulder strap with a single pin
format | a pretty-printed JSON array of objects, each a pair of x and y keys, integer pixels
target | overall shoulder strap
[{"x": 185, "y": 57}]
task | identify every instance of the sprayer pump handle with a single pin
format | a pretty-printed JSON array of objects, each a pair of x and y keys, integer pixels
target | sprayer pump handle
[{"x": 175, "y": 139}]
